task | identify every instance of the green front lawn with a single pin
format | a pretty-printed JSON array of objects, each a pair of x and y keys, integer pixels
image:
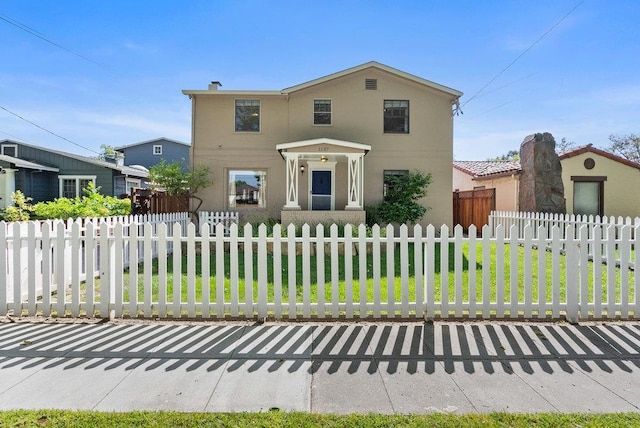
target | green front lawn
[{"x": 470, "y": 270}]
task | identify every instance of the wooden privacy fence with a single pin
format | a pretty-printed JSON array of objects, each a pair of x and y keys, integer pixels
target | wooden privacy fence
[
  {"x": 472, "y": 207},
  {"x": 146, "y": 201},
  {"x": 318, "y": 273}
]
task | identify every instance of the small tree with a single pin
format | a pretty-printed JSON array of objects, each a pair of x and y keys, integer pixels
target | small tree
[
  {"x": 400, "y": 203},
  {"x": 627, "y": 146},
  {"x": 177, "y": 180}
]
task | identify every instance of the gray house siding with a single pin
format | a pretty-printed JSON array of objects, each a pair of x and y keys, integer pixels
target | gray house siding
[
  {"x": 39, "y": 185},
  {"x": 142, "y": 153},
  {"x": 69, "y": 166}
]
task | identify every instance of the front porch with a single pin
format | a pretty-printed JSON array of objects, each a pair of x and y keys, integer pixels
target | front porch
[{"x": 324, "y": 181}]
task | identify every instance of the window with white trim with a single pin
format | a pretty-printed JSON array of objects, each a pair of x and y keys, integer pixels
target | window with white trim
[
  {"x": 322, "y": 112},
  {"x": 71, "y": 186},
  {"x": 10, "y": 150},
  {"x": 396, "y": 116},
  {"x": 247, "y": 115},
  {"x": 132, "y": 184},
  {"x": 247, "y": 188},
  {"x": 157, "y": 149}
]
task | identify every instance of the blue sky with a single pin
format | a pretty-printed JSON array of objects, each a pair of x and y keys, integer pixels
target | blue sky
[{"x": 116, "y": 74}]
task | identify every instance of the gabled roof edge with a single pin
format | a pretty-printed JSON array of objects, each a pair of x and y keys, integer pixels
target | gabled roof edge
[{"x": 374, "y": 64}]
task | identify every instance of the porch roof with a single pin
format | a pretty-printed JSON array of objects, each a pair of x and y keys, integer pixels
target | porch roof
[{"x": 315, "y": 141}]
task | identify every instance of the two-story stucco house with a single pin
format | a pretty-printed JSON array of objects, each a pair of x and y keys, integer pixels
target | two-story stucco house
[{"x": 319, "y": 151}]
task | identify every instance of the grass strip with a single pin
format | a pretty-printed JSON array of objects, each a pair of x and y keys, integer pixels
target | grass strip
[{"x": 64, "y": 418}]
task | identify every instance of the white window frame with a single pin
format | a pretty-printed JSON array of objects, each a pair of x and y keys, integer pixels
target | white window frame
[
  {"x": 13, "y": 146},
  {"x": 235, "y": 106},
  {"x": 77, "y": 178},
  {"x": 157, "y": 149},
  {"x": 131, "y": 183},
  {"x": 330, "y": 112},
  {"x": 262, "y": 195}
]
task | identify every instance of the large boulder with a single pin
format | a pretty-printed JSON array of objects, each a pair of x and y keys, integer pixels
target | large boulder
[{"x": 541, "y": 188}]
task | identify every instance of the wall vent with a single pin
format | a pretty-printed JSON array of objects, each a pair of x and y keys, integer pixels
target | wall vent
[{"x": 371, "y": 84}]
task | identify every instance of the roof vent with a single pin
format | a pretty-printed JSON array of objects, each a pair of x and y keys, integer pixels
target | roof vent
[
  {"x": 213, "y": 86},
  {"x": 371, "y": 84}
]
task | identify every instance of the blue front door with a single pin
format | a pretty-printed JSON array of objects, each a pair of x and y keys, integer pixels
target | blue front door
[{"x": 321, "y": 190}]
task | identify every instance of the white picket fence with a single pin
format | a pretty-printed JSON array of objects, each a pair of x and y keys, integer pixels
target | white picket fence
[
  {"x": 507, "y": 219},
  {"x": 110, "y": 268},
  {"x": 213, "y": 218}
]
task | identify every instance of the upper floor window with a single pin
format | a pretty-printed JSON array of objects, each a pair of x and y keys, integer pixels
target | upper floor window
[
  {"x": 396, "y": 116},
  {"x": 10, "y": 150},
  {"x": 247, "y": 115},
  {"x": 157, "y": 149},
  {"x": 322, "y": 112}
]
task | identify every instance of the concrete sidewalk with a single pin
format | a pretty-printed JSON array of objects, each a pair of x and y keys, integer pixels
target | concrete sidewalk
[{"x": 313, "y": 367}]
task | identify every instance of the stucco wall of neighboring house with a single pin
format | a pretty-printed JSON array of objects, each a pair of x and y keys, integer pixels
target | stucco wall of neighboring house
[
  {"x": 621, "y": 195},
  {"x": 357, "y": 116},
  {"x": 507, "y": 187}
]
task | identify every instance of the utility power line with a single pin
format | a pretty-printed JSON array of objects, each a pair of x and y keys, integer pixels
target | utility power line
[
  {"x": 41, "y": 36},
  {"x": 522, "y": 54},
  {"x": 50, "y": 132}
]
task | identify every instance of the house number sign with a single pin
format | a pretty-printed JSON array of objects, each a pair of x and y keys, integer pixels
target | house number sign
[{"x": 323, "y": 149}]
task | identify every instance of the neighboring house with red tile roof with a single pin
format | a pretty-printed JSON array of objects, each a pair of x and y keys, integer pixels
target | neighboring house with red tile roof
[
  {"x": 500, "y": 175},
  {"x": 595, "y": 182}
]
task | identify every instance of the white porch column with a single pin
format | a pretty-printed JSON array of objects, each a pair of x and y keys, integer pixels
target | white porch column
[
  {"x": 356, "y": 181},
  {"x": 291, "y": 160}
]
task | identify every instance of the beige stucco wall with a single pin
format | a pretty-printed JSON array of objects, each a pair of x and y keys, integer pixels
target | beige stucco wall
[
  {"x": 357, "y": 116},
  {"x": 507, "y": 188},
  {"x": 621, "y": 189}
]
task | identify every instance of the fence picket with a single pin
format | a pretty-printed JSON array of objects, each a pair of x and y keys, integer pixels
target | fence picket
[
  {"x": 457, "y": 263},
  {"x": 541, "y": 243},
  {"x": 31, "y": 273},
  {"x": 291, "y": 281},
  {"x": 277, "y": 271},
  {"x": 59, "y": 269},
  {"x": 513, "y": 272},
  {"x": 348, "y": 270},
  {"x": 362, "y": 265},
  {"x": 500, "y": 298},
  {"x": 555, "y": 271},
  {"x": 205, "y": 269},
  {"x": 444, "y": 271},
  {"x": 377, "y": 310},
  {"x": 320, "y": 269},
  {"x": 147, "y": 269},
  {"x": 430, "y": 267},
  {"x": 306, "y": 271},
  {"x": 472, "y": 291},
  {"x": 162, "y": 270},
  {"x": 418, "y": 270},
  {"x": 262, "y": 272},
  {"x": 486, "y": 274},
  {"x": 234, "y": 274},
  {"x": 610, "y": 249},
  {"x": 390, "y": 283},
  {"x": 176, "y": 249},
  {"x": 191, "y": 270},
  {"x": 528, "y": 271},
  {"x": 248, "y": 271},
  {"x": 624, "y": 255},
  {"x": 45, "y": 269}
]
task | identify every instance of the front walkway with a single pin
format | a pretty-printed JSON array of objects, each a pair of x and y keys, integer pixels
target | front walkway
[{"x": 311, "y": 367}]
